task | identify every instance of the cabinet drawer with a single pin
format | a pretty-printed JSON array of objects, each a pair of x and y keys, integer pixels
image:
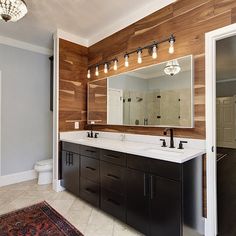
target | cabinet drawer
[
  {"x": 89, "y": 152},
  {"x": 112, "y": 177},
  {"x": 165, "y": 169},
  {"x": 113, "y": 204},
  {"x": 90, "y": 168},
  {"x": 71, "y": 147},
  {"x": 89, "y": 191},
  {"x": 137, "y": 162},
  {"x": 117, "y": 158}
]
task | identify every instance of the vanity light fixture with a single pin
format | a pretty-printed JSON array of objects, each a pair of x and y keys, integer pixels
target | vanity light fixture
[
  {"x": 152, "y": 48},
  {"x": 154, "y": 51},
  {"x": 172, "y": 42},
  {"x": 115, "y": 67},
  {"x": 172, "y": 68},
  {"x": 126, "y": 60},
  {"x": 12, "y": 10},
  {"x": 89, "y": 74},
  {"x": 96, "y": 71},
  {"x": 139, "y": 51},
  {"x": 106, "y": 68}
]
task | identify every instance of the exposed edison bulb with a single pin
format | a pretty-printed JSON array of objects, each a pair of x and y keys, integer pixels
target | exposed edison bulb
[
  {"x": 115, "y": 64},
  {"x": 172, "y": 48},
  {"x": 97, "y": 71},
  {"x": 126, "y": 60},
  {"x": 89, "y": 74},
  {"x": 140, "y": 56},
  {"x": 154, "y": 51},
  {"x": 105, "y": 68}
]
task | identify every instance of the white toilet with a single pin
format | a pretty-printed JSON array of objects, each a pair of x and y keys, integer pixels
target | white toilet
[{"x": 44, "y": 169}]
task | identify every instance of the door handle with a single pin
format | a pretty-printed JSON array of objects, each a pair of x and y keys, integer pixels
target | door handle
[
  {"x": 151, "y": 187},
  {"x": 113, "y": 202},
  {"x": 66, "y": 158},
  {"x": 90, "y": 191},
  {"x": 113, "y": 176},
  {"x": 87, "y": 150},
  {"x": 144, "y": 185},
  {"x": 70, "y": 159},
  {"x": 112, "y": 156},
  {"x": 90, "y": 168}
]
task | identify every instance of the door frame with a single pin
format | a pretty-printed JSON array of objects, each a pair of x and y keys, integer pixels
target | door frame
[
  {"x": 210, "y": 73},
  {"x": 0, "y": 122}
]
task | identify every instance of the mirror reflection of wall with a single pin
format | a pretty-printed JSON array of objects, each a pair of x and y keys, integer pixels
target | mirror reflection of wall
[
  {"x": 159, "y": 95},
  {"x": 151, "y": 97}
]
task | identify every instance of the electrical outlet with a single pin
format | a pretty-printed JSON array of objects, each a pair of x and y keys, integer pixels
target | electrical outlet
[{"x": 77, "y": 125}]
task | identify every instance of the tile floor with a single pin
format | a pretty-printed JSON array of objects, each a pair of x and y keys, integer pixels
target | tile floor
[{"x": 90, "y": 221}]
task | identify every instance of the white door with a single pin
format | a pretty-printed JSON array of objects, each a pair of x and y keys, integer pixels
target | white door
[
  {"x": 226, "y": 122},
  {"x": 115, "y": 106}
]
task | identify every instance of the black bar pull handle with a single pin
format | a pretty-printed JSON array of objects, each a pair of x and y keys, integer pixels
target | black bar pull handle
[
  {"x": 112, "y": 156},
  {"x": 144, "y": 185},
  {"x": 152, "y": 187},
  {"x": 113, "y": 201},
  {"x": 67, "y": 158},
  {"x": 87, "y": 150},
  {"x": 90, "y": 168},
  {"x": 90, "y": 191},
  {"x": 113, "y": 176}
]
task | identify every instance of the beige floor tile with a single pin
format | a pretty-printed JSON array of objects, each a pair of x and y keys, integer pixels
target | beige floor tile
[
  {"x": 124, "y": 230},
  {"x": 90, "y": 221}
]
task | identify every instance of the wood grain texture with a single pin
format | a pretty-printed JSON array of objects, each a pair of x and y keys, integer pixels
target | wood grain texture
[
  {"x": 73, "y": 62},
  {"x": 189, "y": 20},
  {"x": 97, "y": 101}
]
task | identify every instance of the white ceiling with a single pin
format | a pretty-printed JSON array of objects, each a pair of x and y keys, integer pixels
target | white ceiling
[
  {"x": 91, "y": 20},
  {"x": 226, "y": 59}
]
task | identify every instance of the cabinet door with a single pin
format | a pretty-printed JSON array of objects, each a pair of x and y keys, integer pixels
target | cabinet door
[
  {"x": 165, "y": 207},
  {"x": 70, "y": 171},
  {"x": 137, "y": 200}
]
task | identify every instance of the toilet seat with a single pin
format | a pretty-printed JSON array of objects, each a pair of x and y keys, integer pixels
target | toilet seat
[
  {"x": 44, "y": 169},
  {"x": 44, "y": 162}
]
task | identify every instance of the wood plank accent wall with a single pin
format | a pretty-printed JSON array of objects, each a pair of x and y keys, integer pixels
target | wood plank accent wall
[
  {"x": 189, "y": 20},
  {"x": 73, "y": 63}
]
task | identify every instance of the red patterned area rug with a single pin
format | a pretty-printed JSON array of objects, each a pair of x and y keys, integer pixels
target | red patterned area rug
[{"x": 37, "y": 220}]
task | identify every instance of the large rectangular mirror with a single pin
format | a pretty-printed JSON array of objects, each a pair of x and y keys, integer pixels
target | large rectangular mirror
[{"x": 157, "y": 95}]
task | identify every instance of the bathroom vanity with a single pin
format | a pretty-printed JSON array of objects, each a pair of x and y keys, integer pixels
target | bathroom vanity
[{"x": 152, "y": 189}]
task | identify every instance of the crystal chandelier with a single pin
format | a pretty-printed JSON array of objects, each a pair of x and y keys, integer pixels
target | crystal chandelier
[
  {"x": 172, "y": 68},
  {"x": 12, "y": 10}
]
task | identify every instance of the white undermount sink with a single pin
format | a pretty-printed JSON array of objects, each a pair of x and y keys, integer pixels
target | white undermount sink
[{"x": 164, "y": 152}]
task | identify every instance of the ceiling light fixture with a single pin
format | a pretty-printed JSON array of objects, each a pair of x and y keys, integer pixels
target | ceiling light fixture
[
  {"x": 89, "y": 74},
  {"x": 139, "y": 51},
  {"x": 172, "y": 68},
  {"x": 126, "y": 60},
  {"x": 12, "y": 10},
  {"x": 106, "y": 68},
  {"x": 96, "y": 71},
  {"x": 152, "y": 49},
  {"x": 115, "y": 67},
  {"x": 172, "y": 42}
]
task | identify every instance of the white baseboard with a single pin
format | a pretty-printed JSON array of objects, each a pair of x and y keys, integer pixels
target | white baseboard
[
  {"x": 17, "y": 177},
  {"x": 57, "y": 186}
]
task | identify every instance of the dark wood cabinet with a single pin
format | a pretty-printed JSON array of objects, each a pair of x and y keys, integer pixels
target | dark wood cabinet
[
  {"x": 137, "y": 200},
  {"x": 70, "y": 171},
  {"x": 150, "y": 195},
  {"x": 165, "y": 207}
]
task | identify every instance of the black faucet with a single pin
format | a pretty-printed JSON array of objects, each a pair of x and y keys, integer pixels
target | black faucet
[
  {"x": 172, "y": 145},
  {"x": 90, "y": 134}
]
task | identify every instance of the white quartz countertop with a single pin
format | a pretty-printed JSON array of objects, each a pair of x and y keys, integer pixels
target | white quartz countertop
[{"x": 150, "y": 150}]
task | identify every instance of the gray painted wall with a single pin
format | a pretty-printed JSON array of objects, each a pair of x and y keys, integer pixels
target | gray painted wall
[{"x": 26, "y": 119}]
